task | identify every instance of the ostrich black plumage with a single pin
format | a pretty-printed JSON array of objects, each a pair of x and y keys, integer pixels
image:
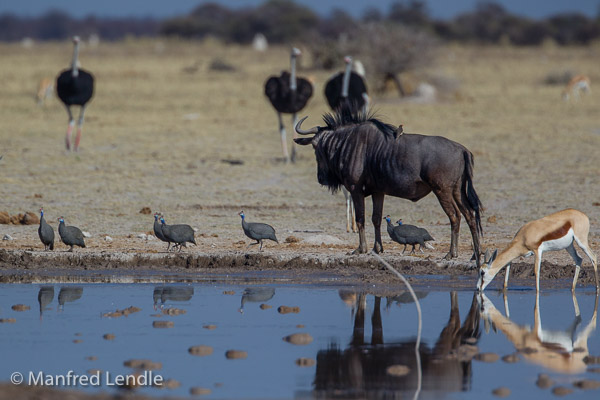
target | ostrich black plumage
[
  {"x": 75, "y": 87},
  {"x": 288, "y": 94},
  {"x": 348, "y": 87}
]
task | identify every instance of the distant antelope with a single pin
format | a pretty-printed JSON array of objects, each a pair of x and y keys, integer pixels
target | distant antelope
[
  {"x": 577, "y": 85},
  {"x": 45, "y": 90},
  {"x": 556, "y": 231}
]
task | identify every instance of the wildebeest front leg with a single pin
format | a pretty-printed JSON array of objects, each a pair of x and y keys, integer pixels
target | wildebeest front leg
[
  {"x": 359, "y": 212},
  {"x": 453, "y": 213},
  {"x": 376, "y": 218}
]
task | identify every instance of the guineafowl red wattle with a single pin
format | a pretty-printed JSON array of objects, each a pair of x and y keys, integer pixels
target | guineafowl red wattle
[
  {"x": 70, "y": 235},
  {"x": 258, "y": 231},
  {"x": 158, "y": 230},
  {"x": 45, "y": 232},
  {"x": 179, "y": 234}
]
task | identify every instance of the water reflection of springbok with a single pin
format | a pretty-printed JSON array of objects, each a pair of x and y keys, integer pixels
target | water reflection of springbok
[
  {"x": 360, "y": 370},
  {"x": 45, "y": 297},
  {"x": 256, "y": 295},
  {"x": 163, "y": 294},
  {"x": 560, "y": 351},
  {"x": 68, "y": 294}
]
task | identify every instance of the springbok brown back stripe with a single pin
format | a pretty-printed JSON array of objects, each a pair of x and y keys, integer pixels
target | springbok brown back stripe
[{"x": 557, "y": 234}]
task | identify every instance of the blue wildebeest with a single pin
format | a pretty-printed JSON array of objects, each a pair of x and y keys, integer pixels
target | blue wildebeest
[{"x": 371, "y": 158}]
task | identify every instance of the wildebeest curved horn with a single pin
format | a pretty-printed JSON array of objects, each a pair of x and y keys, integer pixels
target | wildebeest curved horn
[{"x": 311, "y": 131}]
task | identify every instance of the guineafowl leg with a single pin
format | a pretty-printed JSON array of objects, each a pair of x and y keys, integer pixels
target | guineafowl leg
[
  {"x": 79, "y": 127},
  {"x": 286, "y": 156},
  {"x": 69, "y": 128},
  {"x": 294, "y": 136},
  {"x": 71, "y": 249},
  {"x": 261, "y": 244},
  {"x": 413, "y": 249},
  {"x": 253, "y": 244},
  {"x": 403, "y": 250}
]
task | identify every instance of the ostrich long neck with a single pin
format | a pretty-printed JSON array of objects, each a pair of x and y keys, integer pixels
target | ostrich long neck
[
  {"x": 293, "y": 73},
  {"x": 346, "y": 80},
  {"x": 74, "y": 69}
]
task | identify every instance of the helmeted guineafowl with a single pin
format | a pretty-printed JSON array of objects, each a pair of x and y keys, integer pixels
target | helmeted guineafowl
[
  {"x": 158, "y": 230},
  {"x": 70, "y": 235},
  {"x": 258, "y": 231},
  {"x": 46, "y": 232},
  {"x": 409, "y": 234},
  {"x": 179, "y": 234}
]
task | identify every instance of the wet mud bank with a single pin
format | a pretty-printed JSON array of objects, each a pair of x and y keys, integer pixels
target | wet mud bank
[{"x": 291, "y": 267}]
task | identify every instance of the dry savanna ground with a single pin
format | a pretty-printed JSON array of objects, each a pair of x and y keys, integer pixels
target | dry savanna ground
[{"x": 159, "y": 135}]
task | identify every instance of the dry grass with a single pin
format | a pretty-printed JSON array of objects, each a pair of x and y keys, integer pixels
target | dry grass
[{"x": 155, "y": 136}]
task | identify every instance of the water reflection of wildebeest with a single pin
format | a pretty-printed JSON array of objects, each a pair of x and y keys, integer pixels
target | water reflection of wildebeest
[
  {"x": 173, "y": 293},
  {"x": 560, "y": 351},
  {"x": 360, "y": 370},
  {"x": 372, "y": 158}
]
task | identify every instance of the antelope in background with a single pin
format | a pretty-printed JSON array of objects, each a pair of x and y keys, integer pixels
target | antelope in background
[
  {"x": 577, "y": 85},
  {"x": 560, "y": 351},
  {"x": 45, "y": 90},
  {"x": 556, "y": 231}
]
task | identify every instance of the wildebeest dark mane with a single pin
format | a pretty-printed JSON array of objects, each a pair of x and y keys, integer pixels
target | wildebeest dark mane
[{"x": 347, "y": 115}]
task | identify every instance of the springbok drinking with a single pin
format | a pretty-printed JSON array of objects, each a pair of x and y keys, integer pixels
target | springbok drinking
[{"x": 556, "y": 231}]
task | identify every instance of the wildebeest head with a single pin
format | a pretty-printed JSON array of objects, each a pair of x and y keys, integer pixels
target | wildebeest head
[{"x": 340, "y": 144}]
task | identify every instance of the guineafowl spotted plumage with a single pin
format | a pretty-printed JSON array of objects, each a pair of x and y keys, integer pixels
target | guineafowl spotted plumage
[
  {"x": 179, "y": 234},
  {"x": 46, "y": 232},
  {"x": 70, "y": 235},
  {"x": 258, "y": 231},
  {"x": 409, "y": 234},
  {"x": 158, "y": 230}
]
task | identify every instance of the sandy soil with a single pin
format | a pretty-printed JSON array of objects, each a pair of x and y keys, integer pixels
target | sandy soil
[{"x": 159, "y": 137}]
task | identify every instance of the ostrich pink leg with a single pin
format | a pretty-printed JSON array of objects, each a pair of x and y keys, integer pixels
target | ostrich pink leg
[
  {"x": 79, "y": 127},
  {"x": 286, "y": 155},
  {"x": 69, "y": 129}
]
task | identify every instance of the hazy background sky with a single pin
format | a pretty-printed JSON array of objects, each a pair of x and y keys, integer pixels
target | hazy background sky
[{"x": 160, "y": 8}]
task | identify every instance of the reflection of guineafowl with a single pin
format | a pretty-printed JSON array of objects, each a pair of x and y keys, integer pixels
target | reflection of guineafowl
[
  {"x": 409, "y": 234},
  {"x": 258, "y": 231},
  {"x": 46, "y": 232},
  {"x": 70, "y": 235},
  {"x": 163, "y": 294},
  {"x": 68, "y": 294},
  {"x": 256, "y": 295},
  {"x": 45, "y": 297},
  {"x": 179, "y": 234},
  {"x": 158, "y": 230}
]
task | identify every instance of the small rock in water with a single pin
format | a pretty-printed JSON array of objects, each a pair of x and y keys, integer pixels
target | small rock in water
[
  {"x": 146, "y": 365},
  {"x": 229, "y": 292},
  {"x": 7, "y": 237},
  {"x": 591, "y": 360},
  {"x": 120, "y": 313},
  {"x": 544, "y": 381},
  {"x": 108, "y": 238},
  {"x": 305, "y": 362},
  {"x": 20, "y": 307},
  {"x": 466, "y": 352},
  {"x": 209, "y": 327},
  {"x": 398, "y": 370},
  {"x": 91, "y": 358},
  {"x": 168, "y": 384},
  {"x": 108, "y": 336},
  {"x": 200, "y": 351},
  {"x": 173, "y": 311},
  {"x": 561, "y": 391},
  {"x": 7, "y": 320},
  {"x": 288, "y": 310},
  {"x": 299, "y": 339},
  {"x": 265, "y": 306},
  {"x": 86, "y": 234},
  {"x": 94, "y": 371},
  {"x": 200, "y": 391},
  {"x": 300, "y": 326},
  {"x": 487, "y": 357},
  {"x": 587, "y": 384},
  {"x": 163, "y": 324},
  {"x": 511, "y": 358},
  {"x": 235, "y": 354},
  {"x": 501, "y": 392}
]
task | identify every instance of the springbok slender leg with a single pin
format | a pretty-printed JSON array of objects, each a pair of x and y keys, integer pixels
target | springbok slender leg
[
  {"x": 79, "y": 128},
  {"x": 286, "y": 155},
  {"x": 538, "y": 264},
  {"x": 376, "y": 219},
  {"x": 69, "y": 128},
  {"x": 588, "y": 252},
  {"x": 571, "y": 250},
  {"x": 506, "y": 274}
]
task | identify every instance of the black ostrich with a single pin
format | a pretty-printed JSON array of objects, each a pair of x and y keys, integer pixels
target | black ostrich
[
  {"x": 74, "y": 86},
  {"x": 348, "y": 87},
  {"x": 288, "y": 94}
]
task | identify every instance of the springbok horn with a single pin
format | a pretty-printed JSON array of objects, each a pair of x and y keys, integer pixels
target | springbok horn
[{"x": 311, "y": 131}]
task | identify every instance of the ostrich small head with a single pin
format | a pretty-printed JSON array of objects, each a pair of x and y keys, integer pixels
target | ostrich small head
[
  {"x": 348, "y": 60},
  {"x": 296, "y": 52},
  {"x": 76, "y": 39},
  {"x": 241, "y": 214}
]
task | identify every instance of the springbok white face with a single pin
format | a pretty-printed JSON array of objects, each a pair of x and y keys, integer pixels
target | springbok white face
[{"x": 485, "y": 277}]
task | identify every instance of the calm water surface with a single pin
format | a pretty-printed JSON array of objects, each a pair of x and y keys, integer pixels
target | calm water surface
[{"x": 355, "y": 338}]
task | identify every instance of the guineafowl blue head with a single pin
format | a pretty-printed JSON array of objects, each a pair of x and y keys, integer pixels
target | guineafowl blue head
[
  {"x": 241, "y": 214},
  {"x": 162, "y": 220},
  {"x": 388, "y": 218},
  {"x": 61, "y": 220},
  {"x": 399, "y": 222},
  {"x": 156, "y": 215},
  {"x": 41, "y": 212}
]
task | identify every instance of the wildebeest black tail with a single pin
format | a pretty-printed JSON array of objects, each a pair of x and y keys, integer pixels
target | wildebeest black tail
[{"x": 469, "y": 195}]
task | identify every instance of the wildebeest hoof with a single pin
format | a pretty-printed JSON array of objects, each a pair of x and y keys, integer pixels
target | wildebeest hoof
[{"x": 449, "y": 256}]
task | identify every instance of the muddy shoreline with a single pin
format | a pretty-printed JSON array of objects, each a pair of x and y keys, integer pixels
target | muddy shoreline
[{"x": 23, "y": 266}]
